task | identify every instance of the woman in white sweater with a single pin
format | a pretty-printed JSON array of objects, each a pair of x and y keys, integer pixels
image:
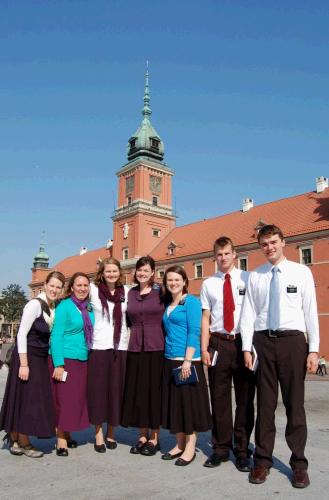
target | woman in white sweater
[{"x": 107, "y": 358}]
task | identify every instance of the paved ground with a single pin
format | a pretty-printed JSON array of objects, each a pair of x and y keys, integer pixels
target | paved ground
[{"x": 119, "y": 475}]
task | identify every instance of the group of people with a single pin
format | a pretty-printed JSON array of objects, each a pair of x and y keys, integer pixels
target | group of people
[{"x": 134, "y": 357}]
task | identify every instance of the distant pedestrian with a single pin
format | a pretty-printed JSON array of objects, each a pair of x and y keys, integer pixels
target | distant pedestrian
[{"x": 322, "y": 366}]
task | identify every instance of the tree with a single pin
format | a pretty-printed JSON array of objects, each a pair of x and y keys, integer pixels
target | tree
[{"x": 12, "y": 302}]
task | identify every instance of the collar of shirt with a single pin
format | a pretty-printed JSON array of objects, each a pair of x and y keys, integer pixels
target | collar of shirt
[{"x": 222, "y": 275}]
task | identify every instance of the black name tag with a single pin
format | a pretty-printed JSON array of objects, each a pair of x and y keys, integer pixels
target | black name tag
[
  {"x": 242, "y": 291},
  {"x": 291, "y": 289}
]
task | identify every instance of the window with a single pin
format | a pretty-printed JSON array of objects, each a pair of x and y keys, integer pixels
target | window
[
  {"x": 155, "y": 143},
  {"x": 132, "y": 143},
  {"x": 198, "y": 270},
  {"x": 155, "y": 201},
  {"x": 130, "y": 184},
  {"x": 243, "y": 263},
  {"x": 161, "y": 273},
  {"x": 156, "y": 233},
  {"x": 306, "y": 255},
  {"x": 129, "y": 200},
  {"x": 125, "y": 253},
  {"x": 172, "y": 248}
]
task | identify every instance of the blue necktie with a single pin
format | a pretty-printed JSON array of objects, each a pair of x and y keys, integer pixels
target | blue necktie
[{"x": 274, "y": 301}]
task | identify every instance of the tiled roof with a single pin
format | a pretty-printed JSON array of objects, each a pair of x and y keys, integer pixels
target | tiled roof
[
  {"x": 85, "y": 263},
  {"x": 305, "y": 213}
]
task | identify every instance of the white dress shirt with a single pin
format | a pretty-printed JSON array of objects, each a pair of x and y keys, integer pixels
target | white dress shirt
[
  {"x": 103, "y": 327},
  {"x": 297, "y": 302},
  {"x": 211, "y": 297}
]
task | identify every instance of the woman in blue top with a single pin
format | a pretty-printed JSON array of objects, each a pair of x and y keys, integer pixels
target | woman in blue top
[
  {"x": 71, "y": 338},
  {"x": 185, "y": 408}
]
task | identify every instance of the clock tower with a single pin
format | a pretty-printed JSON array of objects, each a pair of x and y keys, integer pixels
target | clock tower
[{"x": 144, "y": 214}]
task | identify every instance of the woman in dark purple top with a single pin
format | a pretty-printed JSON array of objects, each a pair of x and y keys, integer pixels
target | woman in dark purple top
[{"x": 142, "y": 399}]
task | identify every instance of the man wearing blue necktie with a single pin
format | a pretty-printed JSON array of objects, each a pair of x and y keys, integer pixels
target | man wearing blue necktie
[{"x": 280, "y": 307}]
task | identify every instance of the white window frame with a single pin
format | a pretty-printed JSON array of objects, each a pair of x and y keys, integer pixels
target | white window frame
[
  {"x": 301, "y": 249},
  {"x": 124, "y": 251},
  {"x": 156, "y": 232},
  {"x": 196, "y": 266},
  {"x": 243, "y": 257}
]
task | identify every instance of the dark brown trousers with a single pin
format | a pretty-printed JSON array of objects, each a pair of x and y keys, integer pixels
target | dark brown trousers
[
  {"x": 230, "y": 366},
  {"x": 281, "y": 360}
]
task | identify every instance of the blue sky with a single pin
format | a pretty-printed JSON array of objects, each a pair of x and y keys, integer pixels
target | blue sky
[{"x": 239, "y": 94}]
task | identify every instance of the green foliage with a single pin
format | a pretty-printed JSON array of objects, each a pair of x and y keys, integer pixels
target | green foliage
[{"x": 12, "y": 302}]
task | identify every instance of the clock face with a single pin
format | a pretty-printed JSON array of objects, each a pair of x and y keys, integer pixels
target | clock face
[{"x": 155, "y": 184}]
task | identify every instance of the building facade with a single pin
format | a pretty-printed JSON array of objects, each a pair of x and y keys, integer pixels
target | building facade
[{"x": 144, "y": 223}]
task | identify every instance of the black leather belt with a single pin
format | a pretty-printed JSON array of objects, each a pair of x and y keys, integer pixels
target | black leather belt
[
  {"x": 276, "y": 334},
  {"x": 226, "y": 336}
]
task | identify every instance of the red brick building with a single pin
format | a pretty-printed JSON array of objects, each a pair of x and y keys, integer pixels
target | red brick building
[{"x": 144, "y": 223}]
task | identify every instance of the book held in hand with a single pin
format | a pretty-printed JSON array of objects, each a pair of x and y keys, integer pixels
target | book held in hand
[
  {"x": 213, "y": 355},
  {"x": 254, "y": 359},
  {"x": 192, "y": 379}
]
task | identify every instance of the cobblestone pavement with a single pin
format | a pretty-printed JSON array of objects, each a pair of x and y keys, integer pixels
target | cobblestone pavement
[{"x": 120, "y": 475}]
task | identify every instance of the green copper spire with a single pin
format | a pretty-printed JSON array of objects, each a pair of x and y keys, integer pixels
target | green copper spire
[
  {"x": 146, "y": 112},
  {"x": 146, "y": 141},
  {"x": 41, "y": 260}
]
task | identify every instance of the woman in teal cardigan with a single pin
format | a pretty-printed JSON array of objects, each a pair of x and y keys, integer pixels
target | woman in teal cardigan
[{"x": 71, "y": 339}]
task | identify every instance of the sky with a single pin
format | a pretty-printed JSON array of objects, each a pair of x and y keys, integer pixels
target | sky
[{"x": 239, "y": 95}]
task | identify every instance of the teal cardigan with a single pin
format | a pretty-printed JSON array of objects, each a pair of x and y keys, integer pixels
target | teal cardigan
[{"x": 67, "y": 336}]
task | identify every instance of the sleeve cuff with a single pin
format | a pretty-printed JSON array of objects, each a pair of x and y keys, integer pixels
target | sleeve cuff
[
  {"x": 313, "y": 347},
  {"x": 246, "y": 345}
]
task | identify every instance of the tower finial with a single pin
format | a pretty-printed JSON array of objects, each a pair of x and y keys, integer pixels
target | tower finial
[{"x": 146, "y": 108}]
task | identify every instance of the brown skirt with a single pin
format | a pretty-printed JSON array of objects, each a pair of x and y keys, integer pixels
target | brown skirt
[
  {"x": 142, "y": 395},
  {"x": 105, "y": 386},
  {"x": 185, "y": 408},
  {"x": 70, "y": 397}
]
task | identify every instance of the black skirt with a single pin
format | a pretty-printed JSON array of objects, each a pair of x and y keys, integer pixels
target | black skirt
[
  {"x": 27, "y": 405},
  {"x": 185, "y": 408},
  {"x": 105, "y": 385},
  {"x": 142, "y": 395}
]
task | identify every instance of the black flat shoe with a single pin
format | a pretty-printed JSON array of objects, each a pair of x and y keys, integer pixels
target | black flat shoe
[
  {"x": 111, "y": 445},
  {"x": 169, "y": 456},
  {"x": 62, "y": 452},
  {"x": 149, "y": 449},
  {"x": 182, "y": 463},
  {"x": 243, "y": 464},
  {"x": 136, "y": 449},
  {"x": 100, "y": 448},
  {"x": 72, "y": 444},
  {"x": 215, "y": 460}
]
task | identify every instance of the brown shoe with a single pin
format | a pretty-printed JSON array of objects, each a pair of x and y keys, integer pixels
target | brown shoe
[
  {"x": 258, "y": 474},
  {"x": 300, "y": 478}
]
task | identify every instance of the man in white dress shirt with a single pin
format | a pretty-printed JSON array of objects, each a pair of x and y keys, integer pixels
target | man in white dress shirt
[
  {"x": 280, "y": 307},
  {"x": 222, "y": 297}
]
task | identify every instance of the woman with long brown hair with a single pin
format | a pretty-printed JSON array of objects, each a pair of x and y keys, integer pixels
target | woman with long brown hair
[
  {"x": 185, "y": 407},
  {"x": 71, "y": 339},
  {"x": 107, "y": 359},
  {"x": 27, "y": 407}
]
